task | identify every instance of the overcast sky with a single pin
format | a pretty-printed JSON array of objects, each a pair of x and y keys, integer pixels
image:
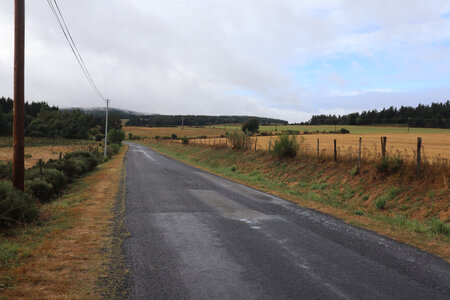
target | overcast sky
[{"x": 274, "y": 58}]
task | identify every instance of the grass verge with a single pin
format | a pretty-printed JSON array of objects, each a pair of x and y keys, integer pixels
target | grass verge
[
  {"x": 410, "y": 212},
  {"x": 66, "y": 253}
]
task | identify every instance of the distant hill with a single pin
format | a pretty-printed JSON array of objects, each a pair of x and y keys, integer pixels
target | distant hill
[
  {"x": 100, "y": 112},
  {"x": 193, "y": 120}
]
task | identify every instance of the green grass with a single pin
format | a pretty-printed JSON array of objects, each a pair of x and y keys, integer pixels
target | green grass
[
  {"x": 355, "y": 129},
  {"x": 381, "y": 201}
]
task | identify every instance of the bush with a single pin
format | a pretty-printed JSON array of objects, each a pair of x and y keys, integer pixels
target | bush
[
  {"x": 116, "y": 136},
  {"x": 174, "y": 136},
  {"x": 251, "y": 126},
  {"x": 6, "y": 170},
  {"x": 239, "y": 140},
  {"x": 57, "y": 178},
  {"x": 285, "y": 146},
  {"x": 16, "y": 207},
  {"x": 91, "y": 159},
  {"x": 184, "y": 140},
  {"x": 344, "y": 131},
  {"x": 40, "y": 189},
  {"x": 69, "y": 167}
]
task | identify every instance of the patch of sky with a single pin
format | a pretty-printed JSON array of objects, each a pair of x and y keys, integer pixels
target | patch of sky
[
  {"x": 241, "y": 92},
  {"x": 353, "y": 73},
  {"x": 446, "y": 15},
  {"x": 367, "y": 29}
]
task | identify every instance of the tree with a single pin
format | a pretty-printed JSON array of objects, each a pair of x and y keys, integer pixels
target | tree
[{"x": 251, "y": 126}]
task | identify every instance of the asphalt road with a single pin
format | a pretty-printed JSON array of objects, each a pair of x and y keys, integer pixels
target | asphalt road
[{"x": 194, "y": 235}]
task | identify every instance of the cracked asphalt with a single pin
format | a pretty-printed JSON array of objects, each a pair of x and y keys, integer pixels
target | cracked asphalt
[{"x": 194, "y": 235}]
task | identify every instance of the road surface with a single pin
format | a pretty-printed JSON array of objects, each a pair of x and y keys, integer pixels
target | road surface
[{"x": 194, "y": 235}]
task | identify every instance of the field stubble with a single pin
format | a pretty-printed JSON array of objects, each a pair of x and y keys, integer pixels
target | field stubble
[{"x": 435, "y": 146}]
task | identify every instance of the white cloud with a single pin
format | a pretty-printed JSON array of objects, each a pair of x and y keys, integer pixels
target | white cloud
[{"x": 183, "y": 56}]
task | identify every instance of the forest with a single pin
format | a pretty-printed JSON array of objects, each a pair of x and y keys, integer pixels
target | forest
[
  {"x": 436, "y": 115},
  {"x": 193, "y": 120},
  {"x": 42, "y": 120}
]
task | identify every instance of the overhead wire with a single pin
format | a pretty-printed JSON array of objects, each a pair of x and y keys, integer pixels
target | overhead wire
[{"x": 65, "y": 29}]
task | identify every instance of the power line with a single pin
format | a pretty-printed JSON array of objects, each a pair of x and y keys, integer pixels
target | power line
[{"x": 65, "y": 29}]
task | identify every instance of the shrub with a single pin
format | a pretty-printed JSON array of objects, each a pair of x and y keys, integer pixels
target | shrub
[
  {"x": 285, "y": 146},
  {"x": 57, "y": 178},
  {"x": 174, "y": 136},
  {"x": 239, "y": 140},
  {"x": 251, "y": 126},
  {"x": 16, "y": 207},
  {"x": 185, "y": 140},
  {"x": 40, "y": 189},
  {"x": 344, "y": 131},
  {"x": 91, "y": 159},
  {"x": 116, "y": 136},
  {"x": 6, "y": 170},
  {"x": 68, "y": 166}
]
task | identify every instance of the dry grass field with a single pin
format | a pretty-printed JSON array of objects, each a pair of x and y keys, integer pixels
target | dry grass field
[
  {"x": 150, "y": 132},
  {"x": 33, "y": 154},
  {"x": 434, "y": 145}
]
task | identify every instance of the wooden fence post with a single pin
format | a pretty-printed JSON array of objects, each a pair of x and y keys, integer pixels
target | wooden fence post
[
  {"x": 317, "y": 149},
  {"x": 256, "y": 142},
  {"x": 383, "y": 147},
  {"x": 335, "y": 151},
  {"x": 359, "y": 155},
  {"x": 419, "y": 147},
  {"x": 270, "y": 144}
]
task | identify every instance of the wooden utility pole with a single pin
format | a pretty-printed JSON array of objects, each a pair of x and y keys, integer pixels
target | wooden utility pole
[
  {"x": 106, "y": 127},
  {"x": 19, "y": 95}
]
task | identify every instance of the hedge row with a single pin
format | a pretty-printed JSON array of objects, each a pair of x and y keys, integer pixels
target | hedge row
[{"x": 43, "y": 183}]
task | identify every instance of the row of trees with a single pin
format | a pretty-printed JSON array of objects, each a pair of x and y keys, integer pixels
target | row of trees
[
  {"x": 436, "y": 115},
  {"x": 42, "y": 120},
  {"x": 190, "y": 120}
]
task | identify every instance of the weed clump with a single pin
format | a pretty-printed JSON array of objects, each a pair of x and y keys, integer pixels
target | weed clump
[
  {"x": 389, "y": 165},
  {"x": 185, "y": 140},
  {"x": 380, "y": 203},
  {"x": 239, "y": 141},
  {"x": 285, "y": 146},
  {"x": 439, "y": 227}
]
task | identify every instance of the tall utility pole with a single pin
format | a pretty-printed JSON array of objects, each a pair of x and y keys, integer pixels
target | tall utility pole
[
  {"x": 106, "y": 126},
  {"x": 19, "y": 95}
]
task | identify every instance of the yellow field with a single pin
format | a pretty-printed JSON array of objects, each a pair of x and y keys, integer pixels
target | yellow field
[
  {"x": 33, "y": 154},
  {"x": 150, "y": 132},
  {"x": 434, "y": 145}
]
